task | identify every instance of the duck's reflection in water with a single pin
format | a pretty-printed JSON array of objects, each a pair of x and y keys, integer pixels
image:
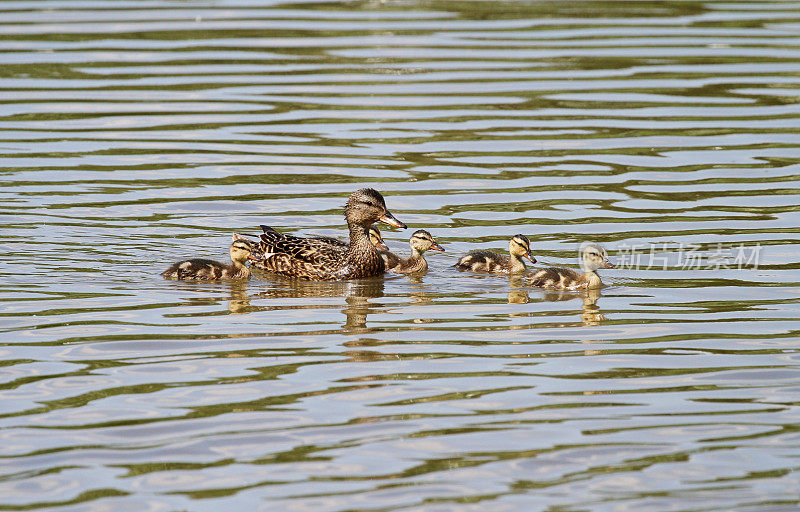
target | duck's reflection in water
[
  {"x": 591, "y": 314},
  {"x": 210, "y": 293},
  {"x": 239, "y": 302},
  {"x": 517, "y": 294},
  {"x": 356, "y": 296},
  {"x": 419, "y": 292},
  {"x": 591, "y": 311},
  {"x": 356, "y": 293},
  {"x": 518, "y": 297}
]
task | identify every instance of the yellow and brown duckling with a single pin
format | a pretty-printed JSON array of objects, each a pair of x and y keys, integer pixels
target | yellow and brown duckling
[
  {"x": 241, "y": 250},
  {"x": 420, "y": 242},
  {"x": 593, "y": 256},
  {"x": 320, "y": 260},
  {"x": 376, "y": 239},
  {"x": 489, "y": 261}
]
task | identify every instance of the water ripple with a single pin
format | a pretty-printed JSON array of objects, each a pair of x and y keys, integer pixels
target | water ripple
[{"x": 133, "y": 135}]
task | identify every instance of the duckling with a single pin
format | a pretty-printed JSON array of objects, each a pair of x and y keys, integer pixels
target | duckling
[
  {"x": 420, "y": 242},
  {"x": 315, "y": 259},
  {"x": 241, "y": 250},
  {"x": 593, "y": 256},
  {"x": 375, "y": 238},
  {"x": 489, "y": 261}
]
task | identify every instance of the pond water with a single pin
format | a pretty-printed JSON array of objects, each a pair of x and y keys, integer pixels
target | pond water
[{"x": 137, "y": 133}]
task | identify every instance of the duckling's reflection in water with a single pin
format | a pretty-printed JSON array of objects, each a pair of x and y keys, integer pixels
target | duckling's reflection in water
[
  {"x": 591, "y": 311},
  {"x": 517, "y": 295},
  {"x": 591, "y": 314},
  {"x": 209, "y": 293},
  {"x": 356, "y": 293},
  {"x": 419, "y": 292},
  {"x": 239, "y": 302}
]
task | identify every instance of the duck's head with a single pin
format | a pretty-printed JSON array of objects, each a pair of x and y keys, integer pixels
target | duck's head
[
  {"x": 520, "y": 246},
  {"x": 376, "y": 239},
  {"x": 366, "y": 206},
  {"x": 594, "y": 256},
  {"x": 243, "y": 249},
  {"x": 421, "y": 241}
]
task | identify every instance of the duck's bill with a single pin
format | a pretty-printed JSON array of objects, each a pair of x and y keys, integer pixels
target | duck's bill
[
  {"x": 608, "y": 264},
  {"x": 530, "y": 257},
  {"x": 382, "y": 246},
  {"x": 255, "y": 256},
  {"x": 437, "y": 247},
  {"x": 388, "y": 218}
]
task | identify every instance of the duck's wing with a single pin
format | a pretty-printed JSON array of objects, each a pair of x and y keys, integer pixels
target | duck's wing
[
  {"x": 329, "y": 240},
  {"x": 295, "y": 256}
]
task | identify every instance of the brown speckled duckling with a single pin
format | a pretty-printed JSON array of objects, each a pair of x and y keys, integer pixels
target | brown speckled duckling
[
  {"x": 420, "y": 242},
  {"x": 319, "y": 260},
  {"x": 241, "y": 250},
  {"x": 593, "y": 256},
  {"x": 489, "y": 261}
]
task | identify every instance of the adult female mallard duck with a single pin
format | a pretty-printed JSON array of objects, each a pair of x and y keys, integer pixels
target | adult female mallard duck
[
  {"x": 593, "y": 256},
  {"x": 420, "y": 242},
  {"x": 320, "y": 260},
  {"x": 241, "y": 250},
  {"x": 489, "y": 261}
]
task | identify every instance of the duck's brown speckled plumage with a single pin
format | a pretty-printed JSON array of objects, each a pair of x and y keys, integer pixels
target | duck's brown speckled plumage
[
  {"x": 201, "y": 269},
  {"x": 489, "y": 261},
  {"x": 593, "y": 256},
  {"x": 420, "y": 242},
  {"x": 321, "y": 260}
]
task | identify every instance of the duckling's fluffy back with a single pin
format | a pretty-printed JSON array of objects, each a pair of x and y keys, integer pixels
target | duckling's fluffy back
[
  {"x": 483, "y": 261},
  {"x": 202, "y": 269},
  {"x": 558, "y": 278}
]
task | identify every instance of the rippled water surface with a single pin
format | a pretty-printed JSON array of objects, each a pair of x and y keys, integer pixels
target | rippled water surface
[{"x": 137, "y": 133}]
